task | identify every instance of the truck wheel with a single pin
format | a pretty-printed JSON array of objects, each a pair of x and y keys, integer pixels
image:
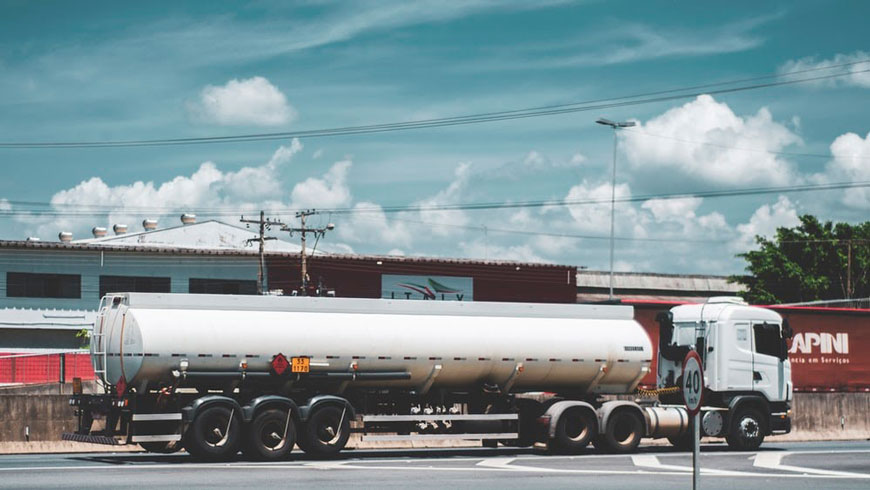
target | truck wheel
[
  {"x": 623, "y": 432},
  {"x": 327, "y": 431},
  {"x": 215, "y": 434},
  {"x": 265, "y": 438},
  {"x": 574, "y": 429},
  {"x": 747, "y": 429}
]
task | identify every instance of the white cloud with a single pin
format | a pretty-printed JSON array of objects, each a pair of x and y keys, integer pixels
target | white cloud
[
  {"x": 479, "y": 249},
  {"x": 5, "y": 205},
  {"x": 737, "y": 149},
  {"x": 252, "y": 101},
  {"x": 764, "y": 222},
  {"x": 851, "y": 163},
  {"x": 679, "y": 217},
  {"x": 329, "y": 191},
  {"x": 595, "y": 217},
  {"x": 852, "y": 74}
]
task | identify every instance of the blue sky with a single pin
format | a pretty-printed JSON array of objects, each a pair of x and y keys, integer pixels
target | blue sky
[{"x": 109, "y": 71}]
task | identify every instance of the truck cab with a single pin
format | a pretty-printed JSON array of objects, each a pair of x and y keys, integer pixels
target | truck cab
[{"x": 747, "y": 373}]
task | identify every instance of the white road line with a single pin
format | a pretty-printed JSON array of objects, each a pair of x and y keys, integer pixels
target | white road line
[
  {"x": 773, "y": 461},
  {"x": 652, "y": 461},
  {"x": 500, "y": 463}
]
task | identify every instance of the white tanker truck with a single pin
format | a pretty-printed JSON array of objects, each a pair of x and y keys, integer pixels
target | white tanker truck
[{"x": 216, "y": 374}]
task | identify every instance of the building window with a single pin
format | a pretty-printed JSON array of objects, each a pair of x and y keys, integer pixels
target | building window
[
  {"x": 28, "y": 285},
  {"x": 133, "y": 284},
  {"x": 222, "y": 286}
]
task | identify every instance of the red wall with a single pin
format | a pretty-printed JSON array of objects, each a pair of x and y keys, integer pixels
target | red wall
[
  {"x": 360, "y": 277},
  {"x": 843, "y": 335},
  {"x": 43, "y": 368}
]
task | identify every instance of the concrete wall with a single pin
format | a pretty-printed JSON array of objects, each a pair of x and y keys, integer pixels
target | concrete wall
[{"x": 816, "y": 415}]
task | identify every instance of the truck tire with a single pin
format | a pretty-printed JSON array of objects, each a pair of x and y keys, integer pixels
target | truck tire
[
  {"x": 265, "y": 437},
  {"x": 574, "y": 430},
  {"x": 326, "y": 431},
  {"x": 215, "y": 434},
  {"x": 746, "y": 430},
  {"x": 623, "y": 432}
]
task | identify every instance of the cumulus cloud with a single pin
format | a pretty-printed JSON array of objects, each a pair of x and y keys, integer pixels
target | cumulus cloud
[
  {"x": 736, "y": 153},
  {"x": 764, "y": 222},
  {"x": 245, "y": 190},
  {"x": 851, "y": 163},
  {"x": 852, "y": 73},
  {"x": 329, "y": 191},
  {"x": 595, "y": 216},
  {"x": 252, "y": 101},
  {"x": 5, "y": 205},
  {"x": 480, "y": 249}
]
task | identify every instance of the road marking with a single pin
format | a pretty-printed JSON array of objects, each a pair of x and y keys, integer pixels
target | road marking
[
  {"x": 500, "y": 463},
  {"x": 773, "y": 461},
  {"x": 322, "y": 465},
  {"x": 652, "y": 461}
]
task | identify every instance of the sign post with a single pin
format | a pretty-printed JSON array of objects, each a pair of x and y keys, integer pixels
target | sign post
[{"x": 693, "y": 391}]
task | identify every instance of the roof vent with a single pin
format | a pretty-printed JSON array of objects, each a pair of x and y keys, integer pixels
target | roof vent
[
  {"x": 33, "y": 239},
  {"x": 149, "y": 224},
  {"x": 731, "y": 300},
  {"x": 188, "y": 218},
  {"x": 119, "y": 229},
  {"x": 99, "y": 231},
  {"x": 65, "y": 236}
]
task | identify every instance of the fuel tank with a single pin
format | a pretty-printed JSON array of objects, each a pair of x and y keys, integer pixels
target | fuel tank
[{"x": 515, "y": 347}]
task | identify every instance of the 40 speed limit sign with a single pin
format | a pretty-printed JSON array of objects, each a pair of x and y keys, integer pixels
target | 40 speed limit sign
[{"x": 693, "y": 382}]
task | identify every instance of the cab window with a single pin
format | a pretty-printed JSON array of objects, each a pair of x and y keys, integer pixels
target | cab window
[{"x": 767, "y": 339}]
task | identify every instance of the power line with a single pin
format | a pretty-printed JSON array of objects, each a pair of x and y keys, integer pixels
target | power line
[
  {"x": 450, "y": 121},
  {"x": 96, "y": 210}
]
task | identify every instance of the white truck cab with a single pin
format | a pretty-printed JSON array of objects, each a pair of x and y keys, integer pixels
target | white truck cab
[{"x": 747, "y": 373}]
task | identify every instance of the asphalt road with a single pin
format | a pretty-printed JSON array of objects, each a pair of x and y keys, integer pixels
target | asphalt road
[{"x": 790, "y": 466}]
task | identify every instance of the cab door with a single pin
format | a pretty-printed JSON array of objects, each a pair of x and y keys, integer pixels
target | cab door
[
  {"x": 767, "y": 371},
  {"x": 736, "y": 356}
]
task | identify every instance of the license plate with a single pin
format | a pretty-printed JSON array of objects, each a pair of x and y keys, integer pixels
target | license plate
[{"x": 300, "y": 364}]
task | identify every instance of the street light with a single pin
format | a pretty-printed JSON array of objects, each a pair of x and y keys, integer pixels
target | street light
[{"x": 616, "y": 126}]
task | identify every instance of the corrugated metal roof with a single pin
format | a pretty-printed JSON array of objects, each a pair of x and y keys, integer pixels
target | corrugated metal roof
[
  {"x": 94, "y": 246},
  {"x": 656, "y": 282},
  {"x": 46, "y": 319}
]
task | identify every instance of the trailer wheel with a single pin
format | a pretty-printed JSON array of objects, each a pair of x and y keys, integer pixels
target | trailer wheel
[
  {"x": 623, "y": 432},
  {"x": 747, "y": 429},
  {"x": 327, "y": 431},
  {"x": 574, "y": 429},
  {"x": 270, "y": 436},
  {"x": 215, "y": 434}
]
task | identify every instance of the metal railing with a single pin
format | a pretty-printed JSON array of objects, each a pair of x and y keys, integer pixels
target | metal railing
[{"x": 55, "y": 367}]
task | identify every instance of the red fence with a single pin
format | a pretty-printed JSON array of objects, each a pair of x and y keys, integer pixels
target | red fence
[{"x": 44, "y": 368}]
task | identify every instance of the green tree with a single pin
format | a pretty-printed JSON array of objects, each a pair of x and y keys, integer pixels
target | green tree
[{"x": 812, "y": 261}]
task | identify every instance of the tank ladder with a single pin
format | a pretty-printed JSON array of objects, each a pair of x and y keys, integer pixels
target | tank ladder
[{"x": 98, "y": 346}]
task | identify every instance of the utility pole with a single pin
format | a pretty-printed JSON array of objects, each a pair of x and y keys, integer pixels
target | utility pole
[
  {"x": 303, "y": 230},
  {"x": 264, "y": 224}
]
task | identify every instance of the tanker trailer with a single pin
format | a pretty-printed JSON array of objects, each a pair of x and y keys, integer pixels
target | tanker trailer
[{"x": 216, "y": 374}]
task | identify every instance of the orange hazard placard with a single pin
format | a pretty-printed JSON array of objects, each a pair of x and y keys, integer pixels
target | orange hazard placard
[{"x": 300, "y": 365}]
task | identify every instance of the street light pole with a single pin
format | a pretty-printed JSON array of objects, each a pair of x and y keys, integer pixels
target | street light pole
[{"x": 616, "y": 126}]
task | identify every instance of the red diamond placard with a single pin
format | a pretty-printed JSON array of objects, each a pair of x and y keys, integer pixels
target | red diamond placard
[{"x": 280, "y": 364}]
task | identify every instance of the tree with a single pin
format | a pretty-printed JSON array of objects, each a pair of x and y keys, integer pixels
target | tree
[{"x": 812, "y": 261}]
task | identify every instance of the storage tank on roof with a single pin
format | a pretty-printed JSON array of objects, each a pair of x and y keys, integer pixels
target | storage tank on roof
[
  {"x": 149, "y": 224},
  {"x": 188, "y": 218},
  {"x": 119, "y": 229},
  {"x": 99, "y": 231},
  {"x": 65, "y": 236}
]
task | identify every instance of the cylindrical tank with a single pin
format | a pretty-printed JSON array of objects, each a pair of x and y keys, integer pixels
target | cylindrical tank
[{"x": 514, "y": 346}]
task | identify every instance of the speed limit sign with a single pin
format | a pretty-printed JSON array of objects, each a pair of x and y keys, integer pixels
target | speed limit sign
[{"x": 693, "y": 382}]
